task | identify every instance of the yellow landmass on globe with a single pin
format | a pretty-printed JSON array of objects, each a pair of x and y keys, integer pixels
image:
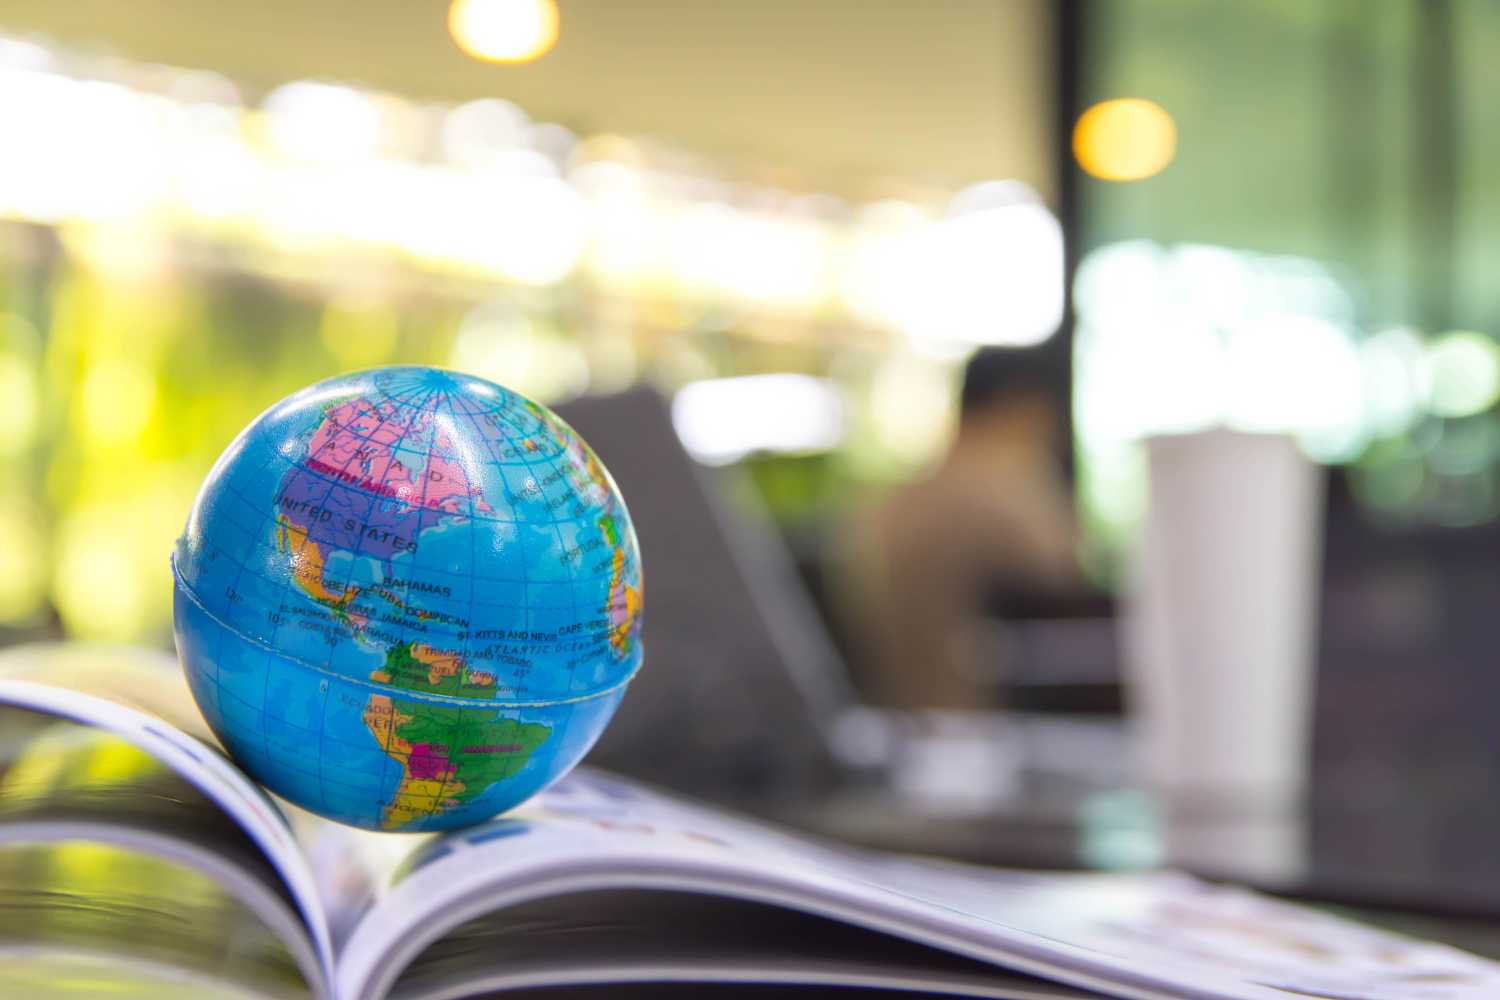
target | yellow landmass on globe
[
  {"x": 417, "y": 796},
  {"x": 307, "y": 565},
  {"x": 624, "y": 605}
]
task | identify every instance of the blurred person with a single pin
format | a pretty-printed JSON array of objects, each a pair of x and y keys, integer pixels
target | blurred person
[{"x": 995, "y": 515}]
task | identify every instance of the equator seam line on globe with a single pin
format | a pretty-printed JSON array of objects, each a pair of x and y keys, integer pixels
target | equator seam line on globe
[{"x": 406, "y": 694}]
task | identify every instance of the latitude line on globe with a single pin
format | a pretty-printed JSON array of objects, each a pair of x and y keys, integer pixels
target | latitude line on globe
[
  {"x": 500, "y": 410},
  {"x": 243, "y": 569},
  {"x": 421, "y": 386},
  {"x": 255, "y": 536},
  {"x": 438, "y": 699},
  {"x": 246, "y": 571},
  {"x": 478, "y": 517}
]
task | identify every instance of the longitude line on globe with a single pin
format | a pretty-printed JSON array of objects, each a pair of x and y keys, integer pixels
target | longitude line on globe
[
  {"x": 562, "y": 544},
  {"x": 432, "y": 405},
  {"x": 220, "y": 689},
  {"x": 328, "y": 664},
  {"x": 356, "y": 553},
  {"x": 265, "y": 738},
  {"x": 520, "y": 534}
]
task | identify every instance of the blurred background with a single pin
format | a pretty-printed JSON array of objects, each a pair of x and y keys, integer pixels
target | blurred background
[{"x": 916, "y": 284}]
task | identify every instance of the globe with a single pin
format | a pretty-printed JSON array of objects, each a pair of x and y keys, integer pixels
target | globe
[{"x": 407, "y": 599}]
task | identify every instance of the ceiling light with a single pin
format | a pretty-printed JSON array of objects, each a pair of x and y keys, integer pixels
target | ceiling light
[{"x": 504, "y": 31}]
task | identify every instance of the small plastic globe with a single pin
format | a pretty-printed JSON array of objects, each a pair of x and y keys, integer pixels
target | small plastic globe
[{"x": 408, "y": 599}]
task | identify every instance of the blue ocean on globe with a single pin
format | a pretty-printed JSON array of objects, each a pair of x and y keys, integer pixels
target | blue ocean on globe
[{"x": 408, "y": 599}]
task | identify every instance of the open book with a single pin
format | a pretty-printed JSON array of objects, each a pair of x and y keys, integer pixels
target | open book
[{"x": 134, "y": 854}]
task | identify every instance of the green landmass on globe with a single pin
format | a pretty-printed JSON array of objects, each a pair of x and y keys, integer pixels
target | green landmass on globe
[
  {"x": 437, "y": 559},
  {"x": 438, "y": 775}
]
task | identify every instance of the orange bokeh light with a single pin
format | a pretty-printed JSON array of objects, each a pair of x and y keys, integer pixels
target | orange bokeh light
[{"x": 1127, "y": 139}]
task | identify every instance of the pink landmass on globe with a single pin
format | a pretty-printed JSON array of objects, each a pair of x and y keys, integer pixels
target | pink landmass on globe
[
  {"x": 353, "y": 493},
  {"x": 429, "y": 763},
  {"x": 356, "y": 443},
  {"x": 448, "y": 483}
]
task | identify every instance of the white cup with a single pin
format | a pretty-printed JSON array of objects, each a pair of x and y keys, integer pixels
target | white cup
[{"x": 1220, "y": 639}]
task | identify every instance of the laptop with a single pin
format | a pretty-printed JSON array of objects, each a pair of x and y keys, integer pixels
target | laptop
[{"x": 742, "y": 685}]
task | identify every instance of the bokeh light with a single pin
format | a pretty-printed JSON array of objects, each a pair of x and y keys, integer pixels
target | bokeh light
[
  {"x": 500, "y": 342},
  {"x": 474, "y": 134},
  {"x": 1464, "y": 373},
  {"x": 1300, "y": 374},
  {"x": 996, "y": 268},
  {"x": 23, "y": 559},
  {"x": 795, "y": 413},
  {"x": 360, "y": 334},
  {"x": 327, "y": 171},
  {"x": 1185, "y": 338},
  {"x": 116, "y": 400},
  {"x": 1395, "y": 380},
  {"x": 988, "y": 271},
  {"x": 18, "y": 403},
  {"x": 1126, "y": 139},
  {"x": 504, "y": 31},
  {"x": 322, "y": 122},
  {"x": 912, "y": 408},
  {"x": 97, "y": 589},
  {"x": 336, "y": 226}
]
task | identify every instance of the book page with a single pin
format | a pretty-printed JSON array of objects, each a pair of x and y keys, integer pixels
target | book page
[
  {"x": 353, "y": 869},
  {"x": 84, "y": 919},
  {"x": 53, "y": 681},
  {"x": 1174, "y": 919},
  {"x": 1145, "y": 936},
  {"x": 593, "y": 831},
  {"x": 675, "y": 937},
  {"x": 105, "y": 853}
]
